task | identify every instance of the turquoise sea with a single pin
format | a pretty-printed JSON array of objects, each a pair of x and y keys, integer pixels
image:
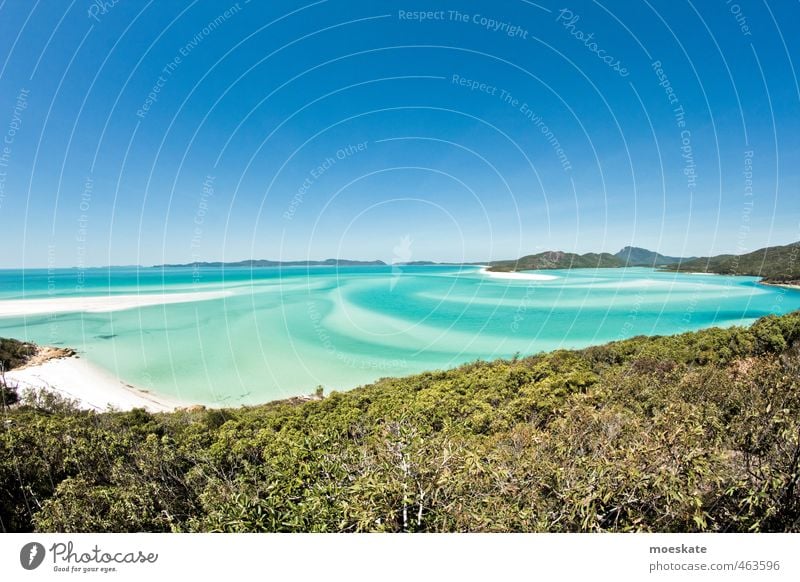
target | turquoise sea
[{"x": 283, "y": 331}]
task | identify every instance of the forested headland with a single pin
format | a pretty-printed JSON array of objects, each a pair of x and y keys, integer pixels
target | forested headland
[{"x": 777, "y": 265}]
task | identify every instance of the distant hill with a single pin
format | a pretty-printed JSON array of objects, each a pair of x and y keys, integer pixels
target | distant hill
[
  {"x": 269, "y": 263},
  {"x": 639, "y": 257},
  {"x": 778, "y": 264},
  {"x": 558, "y": 260}
]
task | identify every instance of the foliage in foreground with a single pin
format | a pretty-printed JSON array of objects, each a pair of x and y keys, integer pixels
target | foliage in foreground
[{"x": 697, "y": 432}]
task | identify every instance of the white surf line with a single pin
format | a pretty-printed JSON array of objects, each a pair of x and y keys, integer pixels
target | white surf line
[
  {"x": 518, "y": 276},
  {"x": 102, "y": 303}
]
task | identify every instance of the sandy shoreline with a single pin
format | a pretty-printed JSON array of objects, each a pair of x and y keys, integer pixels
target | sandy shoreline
[
  {"x": 91, "y": 387},
  {"x": 794, "y": 286},
  {"x": 516, "y": 275},
  {"x": 101, "y": 303}
]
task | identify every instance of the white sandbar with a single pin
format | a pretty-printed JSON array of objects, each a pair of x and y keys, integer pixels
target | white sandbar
[
  {"x": 520, "y": 276},
  {"x": 101, "y": 303}
]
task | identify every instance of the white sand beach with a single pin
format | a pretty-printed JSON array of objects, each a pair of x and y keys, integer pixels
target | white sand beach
[
  {"x": 518, "y": 276},
  {"x": 92, "y": 387},
  {"x": 101, "y": 303}
]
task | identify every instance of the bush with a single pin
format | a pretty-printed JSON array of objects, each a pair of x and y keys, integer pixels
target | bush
[
  {"x": 8, "y": 394},
  {"x": 14, "y": 353}
]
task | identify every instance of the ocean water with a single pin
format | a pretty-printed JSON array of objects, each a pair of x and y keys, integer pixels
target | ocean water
[{"x": 283, "y": 331}]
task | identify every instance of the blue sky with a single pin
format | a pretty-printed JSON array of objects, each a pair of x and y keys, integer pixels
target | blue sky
[{"x": 144, "y": 132}]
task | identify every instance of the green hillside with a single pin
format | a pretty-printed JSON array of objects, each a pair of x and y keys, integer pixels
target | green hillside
[
  {"x": 695, "y": 432},
  {"x": 639, "y": 257},
  {"x": 557, "y": 260},
  {"x": 779, "y": 264}
]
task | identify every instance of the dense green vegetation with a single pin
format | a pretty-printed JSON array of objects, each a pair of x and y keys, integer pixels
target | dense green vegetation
[
  {"x": 780, "y": 264},
  {"x": 639, "y": 257},
  {"x": 558, "y": 260},
  {"x": 14, "y": 353},
  {"x": 8, "y": 394},
  {"x": 695, "y": 432}
]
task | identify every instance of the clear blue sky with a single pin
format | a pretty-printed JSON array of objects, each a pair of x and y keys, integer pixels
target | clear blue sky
[{"x": 147, "y": 132}]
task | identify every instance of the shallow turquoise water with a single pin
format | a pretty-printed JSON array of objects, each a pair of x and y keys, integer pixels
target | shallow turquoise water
[{"x": 282, "y": 332}]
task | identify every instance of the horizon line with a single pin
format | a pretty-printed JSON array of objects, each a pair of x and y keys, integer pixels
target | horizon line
[{"x": 284, "y": 262}]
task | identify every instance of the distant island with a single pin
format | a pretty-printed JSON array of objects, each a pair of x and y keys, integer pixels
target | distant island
[
  {"x": 777, "y": 265},
  {"x": 627, "y": 257},
  {"x": 270, "y": 263},
  {"x": 325, "y": 263}
]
